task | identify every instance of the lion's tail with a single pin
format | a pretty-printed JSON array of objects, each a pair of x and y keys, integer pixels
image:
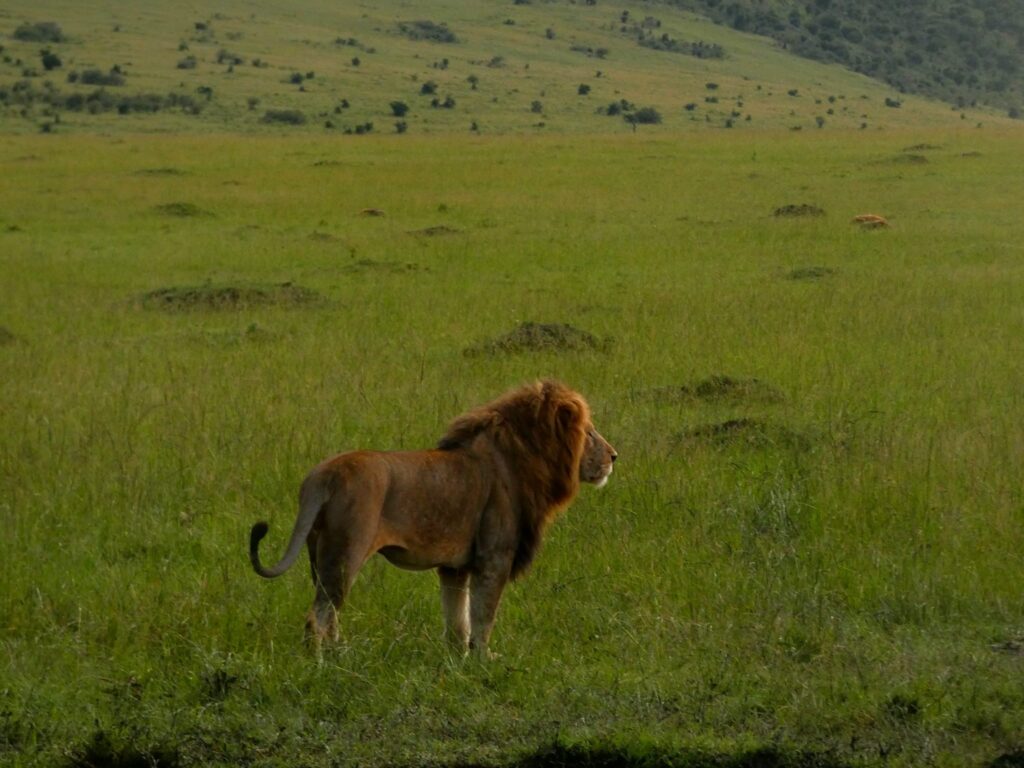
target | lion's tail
[{"x": 312, "y": 498}]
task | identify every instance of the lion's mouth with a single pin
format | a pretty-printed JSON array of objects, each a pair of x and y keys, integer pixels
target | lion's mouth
[{"x": 601, "y": 481}]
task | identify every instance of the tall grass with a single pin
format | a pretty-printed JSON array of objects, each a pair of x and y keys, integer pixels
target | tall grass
[{"x": 838, "y": 574}]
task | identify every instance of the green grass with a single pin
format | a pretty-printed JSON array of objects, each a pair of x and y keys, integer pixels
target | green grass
[
  {"x": 838, "y": 576},
  {"x": 148, "y": 39}
]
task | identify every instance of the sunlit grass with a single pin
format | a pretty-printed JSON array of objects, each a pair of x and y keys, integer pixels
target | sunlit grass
[{"x": 831, "y": 576}]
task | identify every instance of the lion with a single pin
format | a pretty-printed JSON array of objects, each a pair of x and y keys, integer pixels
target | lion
[{"x": 475, "y": 508}]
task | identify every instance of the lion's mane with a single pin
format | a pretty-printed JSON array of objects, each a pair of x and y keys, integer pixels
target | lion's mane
[{"x": 540, "y": 430}]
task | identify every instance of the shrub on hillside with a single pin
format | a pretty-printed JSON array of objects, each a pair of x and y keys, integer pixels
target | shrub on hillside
[
  {"x": 427, "y": 30},
  {"x": 644, "y": 116},
  {"x": 399, "y": 108},
  {"x": 40, "y": 32},
  {"x": 51, "y": 60},
  {"x": 98, "y": 77},
  {"x": 285, "y": 116}
]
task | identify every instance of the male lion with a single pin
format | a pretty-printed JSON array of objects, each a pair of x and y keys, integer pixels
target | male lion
[{"x": 475, "y": 507}]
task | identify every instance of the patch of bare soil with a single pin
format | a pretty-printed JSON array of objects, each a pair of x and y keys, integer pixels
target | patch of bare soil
[
  {"x": 223, "y": 297},
  {"x": 540, "y": 337},
  {"x": 803, "y": 209},
  {"x": 160, "y": 172},
  {"x": 392, "y": 267},
  {"x": 905, "y": 159},
  {"x": 441, "y": 229},
  {"x": 809, "y": 273},
  {"x": 719, "y": 387},
  {"x": 181, "y": 210},
  {"x": 755, "y": 433}
]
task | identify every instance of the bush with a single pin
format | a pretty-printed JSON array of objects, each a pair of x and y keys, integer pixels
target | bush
[
  {"x": 295, "y": 78},
  {"x": 401, "y": 126},
  {"x": 98, "y": 77},
  {"x": 51, "y": 61},
  {"x": 427, "y": 30},
  {"x": 645, "y": 116},
  {"x": 286, "y": 116},
  {"x": 690, "y": 107},
  {"x": 40, "y": 32},
  {"x": 189, "y": 62},
  {"x": 583, "y": 90},
  {"x": 428, "y": 88},
  {"x": 536, "y": 107},
  {"x": 399, "y": 108},
  {"x": 226, "y": 57}
]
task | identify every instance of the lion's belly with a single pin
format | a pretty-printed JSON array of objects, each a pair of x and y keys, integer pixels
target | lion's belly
[{"x": 423, "y": 560}]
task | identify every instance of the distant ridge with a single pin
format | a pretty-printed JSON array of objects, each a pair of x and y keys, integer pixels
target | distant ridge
[{"x": 965, "y": 52}]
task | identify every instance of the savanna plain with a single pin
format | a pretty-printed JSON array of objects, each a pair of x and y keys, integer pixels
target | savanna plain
[{"x": 810, "y": 552}]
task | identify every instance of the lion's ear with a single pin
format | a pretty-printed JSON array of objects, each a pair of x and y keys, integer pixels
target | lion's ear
[{"x": 566, "y": 417}]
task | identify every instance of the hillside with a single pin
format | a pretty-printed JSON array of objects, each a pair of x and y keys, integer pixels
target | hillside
[
  {"x": 964, "y": 52},
  {"x": 446, "y": 66}
]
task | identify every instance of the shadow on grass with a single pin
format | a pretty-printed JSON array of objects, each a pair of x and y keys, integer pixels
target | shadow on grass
[
  {"x": 559, "y": 756},
  {"x": 101, "y": 753}
]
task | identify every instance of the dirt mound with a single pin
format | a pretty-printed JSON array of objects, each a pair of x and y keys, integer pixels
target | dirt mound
[
  {"x": 199, "y": 297},
  {"x": 392, "y": 267},
  {"x": 181, "y": 210},
  {"x": 719, "y": 387},
  {"x": 908, "y": 159},
  {"x": 324, "y": 237},
  {"x": 435, "y": 231},
  {"x": 754, "y": 433},
  {"x": 810, "y": 273},
  {"x": 803, "y": 209},
  {"x": 540, "y": 337},
  {"x": 160, "y": 172}
]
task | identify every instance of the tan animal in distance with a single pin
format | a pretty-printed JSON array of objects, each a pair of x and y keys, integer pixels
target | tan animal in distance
[
  {"x": 870, "y": 220},
  {"x": 475, "y": 508}
]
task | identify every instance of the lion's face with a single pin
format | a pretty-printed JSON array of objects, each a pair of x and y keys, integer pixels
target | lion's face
[{"x": 598, "y": 458}]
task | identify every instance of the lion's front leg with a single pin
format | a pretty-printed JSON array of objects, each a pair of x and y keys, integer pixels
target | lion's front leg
[
  {"x": 455, "y": 604},
  {"x": 484, "y": 596}
]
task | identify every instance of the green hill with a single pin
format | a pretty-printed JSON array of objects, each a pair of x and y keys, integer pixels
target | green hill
[
  {"x": 962, "y": 51},
  {"x": 446, "y": 66}
]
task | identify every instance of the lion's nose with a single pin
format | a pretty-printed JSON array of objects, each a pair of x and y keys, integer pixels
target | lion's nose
[{"x": 614, "y": 457}]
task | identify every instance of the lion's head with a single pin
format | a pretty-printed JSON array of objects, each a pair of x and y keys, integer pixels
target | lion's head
[{"x": 543, "y": 431}]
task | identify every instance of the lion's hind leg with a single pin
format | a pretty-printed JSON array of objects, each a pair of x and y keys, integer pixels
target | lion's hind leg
[
  {"x": 335, "y": 565},
  {"x": 455, "y": 605}
]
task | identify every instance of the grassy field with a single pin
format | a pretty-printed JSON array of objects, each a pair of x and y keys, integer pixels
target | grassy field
[
  {"x": 352, "y": 60},
  {"x": 810, "y": 552}
]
